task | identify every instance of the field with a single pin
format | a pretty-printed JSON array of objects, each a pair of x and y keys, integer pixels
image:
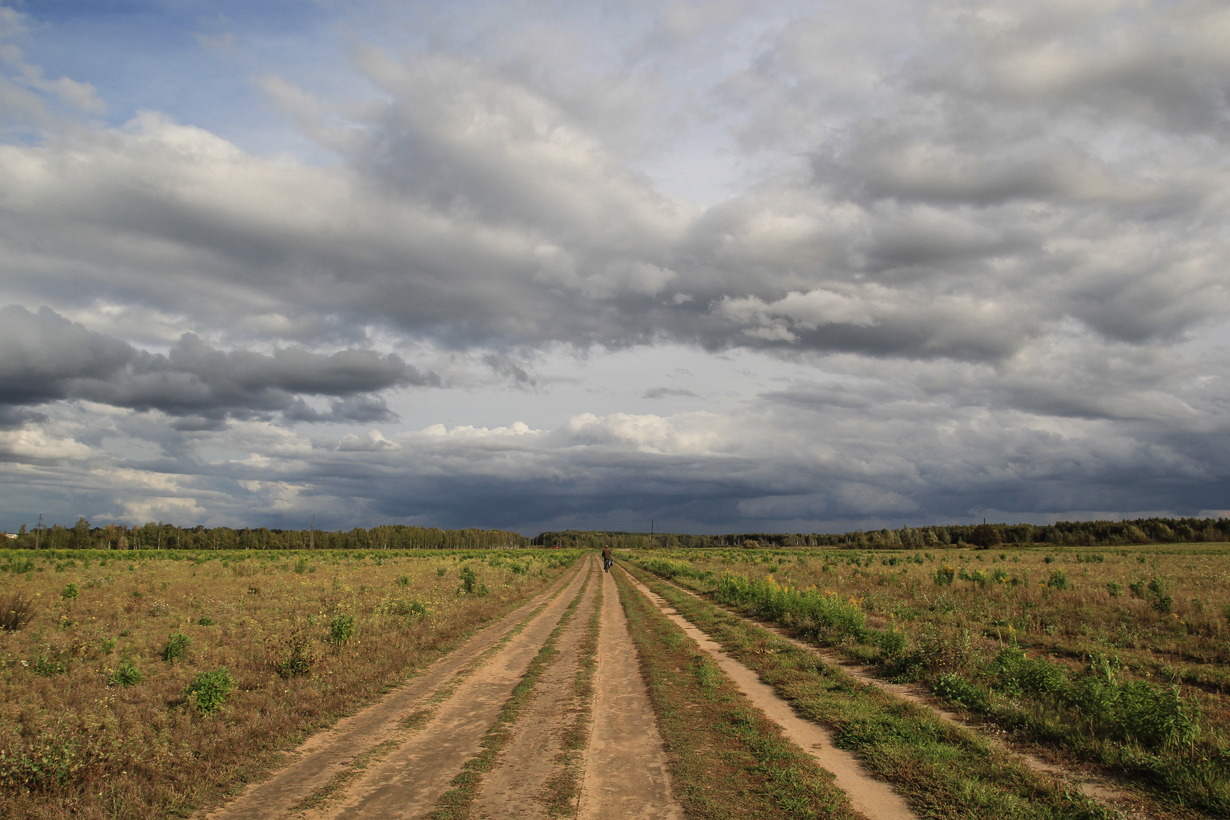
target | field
[
  {"x": 97, "y": 716},
  {"x": 722, "y": 684},
  {"x": 1116, "y": 659}
]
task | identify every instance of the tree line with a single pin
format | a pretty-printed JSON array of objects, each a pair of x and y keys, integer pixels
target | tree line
[
  {"x": 168, "y": 536},
  {"x": 1062, "y": 533}
]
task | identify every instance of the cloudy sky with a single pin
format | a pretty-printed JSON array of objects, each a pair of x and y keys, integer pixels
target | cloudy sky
[{"x": 723, "y": 266}]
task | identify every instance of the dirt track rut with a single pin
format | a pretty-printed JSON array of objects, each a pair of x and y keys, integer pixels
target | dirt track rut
[{"x": 398, "y": 757}]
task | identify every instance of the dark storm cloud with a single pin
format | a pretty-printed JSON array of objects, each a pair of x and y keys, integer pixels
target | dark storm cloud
[{"x": 45, "y": 357}]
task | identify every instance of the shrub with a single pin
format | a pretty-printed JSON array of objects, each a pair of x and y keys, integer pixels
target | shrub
[
  {"x": 957, "y": 689},
  {"x": 470, "y": 584},
  {"x": 205, "y": 620},
  {"x": 16, "y": 610},
  {"x": 341, "y": 629},
  {"x": 176, "y": 647},
  {"x": 944, "y": 576},
  {"x": 209, "y": 690},
  {"x": 126, "y": 674},
  {"x": 404, "y": 581},
  {"x": 1113, "y": 588},
  {"x": 1058, "y": 579},
  {"x": 301, "y": 565},
  {"x": 69, "y": 592},
  {"x": 298, "y": 659}
]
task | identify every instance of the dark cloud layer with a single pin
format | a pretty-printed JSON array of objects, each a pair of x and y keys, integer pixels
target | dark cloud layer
[{"x": 44, "y": 357}]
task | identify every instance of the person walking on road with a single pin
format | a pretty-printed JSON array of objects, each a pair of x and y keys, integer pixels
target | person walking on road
[{"x": 607, "y": 560}]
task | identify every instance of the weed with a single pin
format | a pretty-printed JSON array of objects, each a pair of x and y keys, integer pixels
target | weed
[
  {"x": 209, "y": 690},
  {"x": 49, "y": 665},
  {"x": 298, "y": 659},
  {"x": 1058, "y": 579},
  {"x": 69, "y": 592},
  {"x": 944, "y": 576},
  {"x": 1113, "y": 588},
  {"x": 16, "y": 610},
  {"x": 108, "y": 645},
  {"x": 205, "y": 620},
  {"x": 406, "y": 608},
  {"x": 470, "y": 585},
  {"x": 125, "y": 674},
  {"x": 176, "y": 647},
  {"x": 341, "y": 629},
  {"x": 301, "y": 566},
  {"x": 403, "y": 581}
]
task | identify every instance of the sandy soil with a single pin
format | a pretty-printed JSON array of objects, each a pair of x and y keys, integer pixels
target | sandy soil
[{"x": 625, "y": 767}]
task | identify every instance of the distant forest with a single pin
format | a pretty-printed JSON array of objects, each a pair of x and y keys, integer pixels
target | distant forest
[
  {"x": 1063, "y": 533},
  {"x": 167, "y": 536},
  {"x": 400, "y": 537}
]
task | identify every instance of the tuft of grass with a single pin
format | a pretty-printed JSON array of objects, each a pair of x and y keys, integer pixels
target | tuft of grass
[
  {"x": 16, "y": 610},
  {"x": 125, "y": 674}
]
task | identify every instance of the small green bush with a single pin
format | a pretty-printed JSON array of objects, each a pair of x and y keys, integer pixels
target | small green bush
[
  {"x": 1058, "y": 579},
  {"x": 125, "y": 674},
  {"x": 209, "y": 690},
  {"x": 301, "y": 565},
  {"x": 403, "y": 580},
  {"x": 205, "y": 620},
  {"x": 341, "y": 629},
  {"x": 957, "y": 689},
  {"x": 69, "y": 592},
  {"x": 470, "y": 585},
  {"x": 1113, "y": 588},
  {"x": 176, "y": 647},
  {"x": 406, "y": 608},
  {"x": 944, "y": 576}
]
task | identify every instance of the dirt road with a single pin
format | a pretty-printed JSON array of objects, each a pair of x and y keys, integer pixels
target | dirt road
[{"x": 541, "y": 713}]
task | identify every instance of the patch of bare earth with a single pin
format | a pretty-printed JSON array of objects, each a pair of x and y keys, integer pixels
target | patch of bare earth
[
  {"x": 520, "y": 783},
  {"x": 324, "y": 780},
  {"x": 625, "y": 766},
  {"x": 867, "y": 795}
]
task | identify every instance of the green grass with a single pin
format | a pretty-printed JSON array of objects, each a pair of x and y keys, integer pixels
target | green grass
[
  {"x": 943, "y": 771},
  {"x": 727, "y": 760}
]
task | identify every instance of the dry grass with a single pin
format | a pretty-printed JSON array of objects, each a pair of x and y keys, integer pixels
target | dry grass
[{"x": 75, "y": 740}]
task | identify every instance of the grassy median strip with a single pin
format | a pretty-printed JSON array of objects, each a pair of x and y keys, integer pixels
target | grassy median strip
[
  {"x": 727, "y": 760},
  {"x": 942, "y": 770},
  {"x": 457, "y": 803},
  {"x": 565, "y": 788}
]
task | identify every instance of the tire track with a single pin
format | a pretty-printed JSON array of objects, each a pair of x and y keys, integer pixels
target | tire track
[
  {"x": 410, "y": 780},
  {"x": 328, "y": 755},
  {"x": 533, "y": 763},
  {"x": 626, "y": 773},
  {"x": 868, "y": 796}
]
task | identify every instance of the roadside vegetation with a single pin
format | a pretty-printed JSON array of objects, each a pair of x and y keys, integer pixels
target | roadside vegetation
[
  {"x": 728, "y": 762},
  {"x": 141, "y": 684},
  {"x": 1118, "y": 658}
]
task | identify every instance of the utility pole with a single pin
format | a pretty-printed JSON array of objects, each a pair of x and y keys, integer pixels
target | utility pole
[{"x": 38, "y": 530}]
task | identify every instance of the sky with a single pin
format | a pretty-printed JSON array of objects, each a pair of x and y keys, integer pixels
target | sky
[{"x": 714, "y": 266}]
